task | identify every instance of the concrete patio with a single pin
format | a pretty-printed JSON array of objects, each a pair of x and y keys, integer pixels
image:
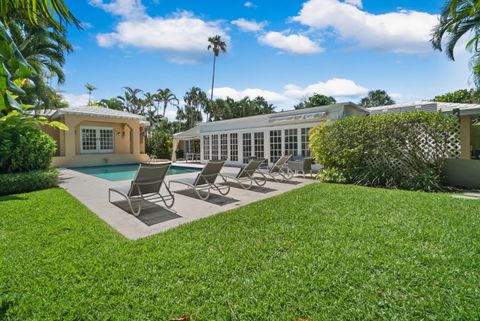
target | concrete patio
[{"x": 93, "y": 193}]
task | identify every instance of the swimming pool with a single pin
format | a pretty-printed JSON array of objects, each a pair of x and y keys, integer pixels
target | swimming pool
[{"x": 125, "y": 172}]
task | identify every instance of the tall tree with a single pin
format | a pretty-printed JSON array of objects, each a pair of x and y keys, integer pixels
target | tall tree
[
  {"x": 196, "y": 102},
  {"x": 316, "y": 100},
  {"x": 90, "y": 89},
  {"x": 376, "y": 98},
  {"x": 217, "y": 45},
  {"x": 166, "y": 97},
  {"x": 457, "y": 19},
  {"x": 112, "y": 103},
  {"x": 131, "y": 99}
]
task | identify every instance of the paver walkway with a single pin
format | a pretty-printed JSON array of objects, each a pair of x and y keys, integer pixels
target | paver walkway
[{"x": 93, "y": 193}]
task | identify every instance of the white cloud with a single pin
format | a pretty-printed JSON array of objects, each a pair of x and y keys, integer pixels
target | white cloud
[
  {"x": 342, "y": 89},
  {"x": 293, "y": 43},
  {"x": 183, "y": 37},
  {"x": 129, "y": 9},
  {"x": 76, "y": 100},
  {"x": 400, "y": 32},
  {"x": 270, "y": 96},
  {"x": 336, "y": 87},
  {"x": 249, "y": 4},
  {"x": 249, "y": 25}
]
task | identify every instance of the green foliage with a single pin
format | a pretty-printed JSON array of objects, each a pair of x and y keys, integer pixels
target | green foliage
[
  {"x": 385, "y": 150},
  {"x": 316, "y": 100},
  {"x": 459, "y": 18},
  {"x": 14, "y": 183},
  {"x": 323, "y": 252},
  {"x": 221, "y": 109},
  {"x": 376, "y": 98},
  {"x": 23, "y": 145},
  {"x": 159, "y": 143},
  {"x": 465, "y": 96}
]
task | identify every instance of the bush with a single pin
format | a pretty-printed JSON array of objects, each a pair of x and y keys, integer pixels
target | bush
[
  {"x": 404, "y": 150},
  {"x": 159, "y": 143},
  {"x": 14, "y": 183},
  {"x": 24, "y": 147}
]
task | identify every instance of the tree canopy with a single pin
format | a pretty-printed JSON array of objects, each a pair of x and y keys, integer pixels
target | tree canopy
[
  {"x": 376, "y": 98},
  {"x": 465, "y": 96},
  {"x": 316, "y": 100}
]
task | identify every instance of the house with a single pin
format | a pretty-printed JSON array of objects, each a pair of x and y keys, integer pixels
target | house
[
  {"x": 97, "y": 136},
  {"x": 268, "y": 136}
]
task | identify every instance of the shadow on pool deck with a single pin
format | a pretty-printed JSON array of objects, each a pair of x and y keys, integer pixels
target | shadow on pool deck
[{"x": 152, "y": 213}]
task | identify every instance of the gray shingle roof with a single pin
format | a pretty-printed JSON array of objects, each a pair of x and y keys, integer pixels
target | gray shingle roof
[
  {"x": 98, "y": 111},
  {"x": 430, "y": 106}
]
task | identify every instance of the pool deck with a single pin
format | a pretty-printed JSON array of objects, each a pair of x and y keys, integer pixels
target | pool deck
[{"x": 93, "y": 193}]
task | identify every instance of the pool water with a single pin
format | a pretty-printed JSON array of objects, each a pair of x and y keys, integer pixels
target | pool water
[{"x": 126, "y": 172}]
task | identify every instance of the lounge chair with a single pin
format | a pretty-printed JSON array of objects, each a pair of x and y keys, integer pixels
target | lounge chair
[
  {"x": 246, "y": 174},
  {"x": 279, "y": 172},
  {"x": 145, "y": 186},
  {"x": 205, "y": 180}
]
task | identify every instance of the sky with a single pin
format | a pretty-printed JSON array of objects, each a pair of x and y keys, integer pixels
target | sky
[{"x": 283, "y": 50}]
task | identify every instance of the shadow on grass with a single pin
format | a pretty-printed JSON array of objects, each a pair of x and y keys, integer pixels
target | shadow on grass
[{"x": 11, "y": 198}]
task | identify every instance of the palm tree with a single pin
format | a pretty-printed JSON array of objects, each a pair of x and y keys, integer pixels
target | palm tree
[
  {"x": 217, "y": 45},
  {"x": 166, "y": 96},
  {"x": 90, "y": 89},
  {"x": 459, "y": 18},
  {"x": 132, "y": 102}
]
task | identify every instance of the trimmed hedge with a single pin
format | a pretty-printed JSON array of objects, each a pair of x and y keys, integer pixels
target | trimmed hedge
[
  {"x": 406, "y": 150},
  {"x": 14, "y": 183}
]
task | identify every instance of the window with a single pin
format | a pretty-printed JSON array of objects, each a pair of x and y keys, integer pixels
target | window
[
  {"x": 214, "y": 147},
  {"x": 234, "y": 147},
  {"x": 275, "y": 145},
  {"x": 291, "y": 142},
  {"x": 247, "y": 147},
  {"x": 96, "y": 140},
  {"x": 206, "y": 147},
  {"x": 223, "y": 146},
  {"x": 305, "y": 136},
  {"x": 258, "y": 145}
]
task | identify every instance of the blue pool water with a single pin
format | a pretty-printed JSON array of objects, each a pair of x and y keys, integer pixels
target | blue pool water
[{"x": 126, "y": 172}]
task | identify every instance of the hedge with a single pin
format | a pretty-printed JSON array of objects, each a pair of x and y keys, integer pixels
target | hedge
[
  {"x": 14, "y": 183},
  {"x": 404, "y": 150}
]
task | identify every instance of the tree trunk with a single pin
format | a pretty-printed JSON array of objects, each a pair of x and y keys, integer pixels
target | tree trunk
[
  {"x": 164, "y": 109},
  {"x": 213, "y": 75}
]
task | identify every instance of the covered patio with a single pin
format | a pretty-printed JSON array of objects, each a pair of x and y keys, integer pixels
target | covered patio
[{"x": 189, "y": 142}]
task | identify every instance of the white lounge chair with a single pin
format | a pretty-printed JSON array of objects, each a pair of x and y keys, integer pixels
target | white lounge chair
[
  {"x": 205, "y": 180},
  {"x": 145, "y": 186},
  {"x": 279, "y": 172},
  {"x": 245, "y": 176}
]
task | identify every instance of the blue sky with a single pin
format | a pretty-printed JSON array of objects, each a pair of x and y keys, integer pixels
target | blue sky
[{"x": 283, "y": 50}]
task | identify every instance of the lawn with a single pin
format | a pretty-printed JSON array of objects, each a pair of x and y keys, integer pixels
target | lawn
[{"x": 323, "y": 252}]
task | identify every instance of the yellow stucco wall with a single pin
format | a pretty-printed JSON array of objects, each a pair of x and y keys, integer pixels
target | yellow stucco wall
[{"x": 124, "y": 151}]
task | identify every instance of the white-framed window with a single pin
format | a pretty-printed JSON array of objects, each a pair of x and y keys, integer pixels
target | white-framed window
[
  {"x": 247, "y": 147},
  {"x": 234, "y": 147},
  {"x": 206, "y": 147},
  {"x": 223, "y": 146},
  {"x": 214, "y": 147},
  {"x": 97, "y": 139},
  {"x": 305, "y": 135},
  {"x": 258, "y": 144},
  {"x": 275, "y": 145},
  {"x": 291, "y": 142}
]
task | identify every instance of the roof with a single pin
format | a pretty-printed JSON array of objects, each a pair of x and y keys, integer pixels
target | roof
[
  {"x": 192, "y": 133},
  {"x": 431, "y": 106},
  {"x": 97, "y": 111}
]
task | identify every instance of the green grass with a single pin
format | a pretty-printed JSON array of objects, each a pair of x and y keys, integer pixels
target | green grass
[{"x": 323, "y": 252}]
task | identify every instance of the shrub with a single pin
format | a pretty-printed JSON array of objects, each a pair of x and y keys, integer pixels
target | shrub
[
  {"x": 159, "y": 143},
  {"x": 14, "y": 183},
  {"x": 404, "y": 150},
  {"x": 24, "y": 147}
]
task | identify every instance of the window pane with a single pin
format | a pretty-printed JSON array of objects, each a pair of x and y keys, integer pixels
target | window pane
[
  {"x": 234, "y": 147},
  {"x": 275, "y": 145},
  {"x": 223, "y": 147},
  {"x": 291, "y": 142},
  {"x": 206, "y": 147},
  {"x": 214, "y": 147},
  {"x": 258, "y": 145},
  {"x": 89, "y": 139},
  {"x": 247, "y": 147},
  {"x": 106, "y": 139},
  {"x": 305, "y": 136}
]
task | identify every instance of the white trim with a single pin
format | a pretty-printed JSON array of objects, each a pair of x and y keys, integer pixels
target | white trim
[{"x": 97, "y": 138}]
